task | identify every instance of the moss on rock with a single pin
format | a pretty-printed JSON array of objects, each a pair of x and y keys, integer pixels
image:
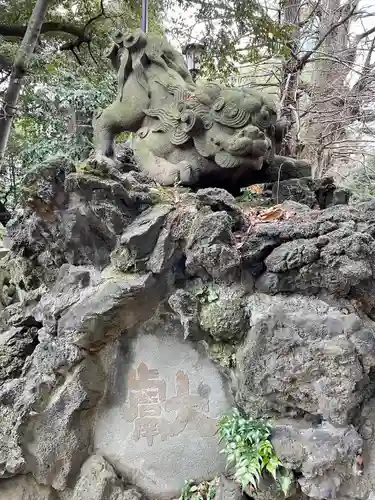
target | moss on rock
[{"x": 225, "y": 319}]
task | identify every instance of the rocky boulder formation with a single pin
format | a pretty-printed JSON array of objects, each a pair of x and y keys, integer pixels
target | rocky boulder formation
[{"x": 134, "y": 316}]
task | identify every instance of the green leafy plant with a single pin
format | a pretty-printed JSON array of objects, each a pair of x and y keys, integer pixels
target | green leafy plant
[
  {"x": 202, "y": 491},
  {"x": 247, "y": 195},
  {"x": 250, "y": 451}
]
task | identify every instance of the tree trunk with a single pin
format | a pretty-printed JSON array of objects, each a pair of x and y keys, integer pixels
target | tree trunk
[
  {"x": 20, "y": 64},
  {"x": 328, "y": 111},
  {"x": 289, "y": 79}
]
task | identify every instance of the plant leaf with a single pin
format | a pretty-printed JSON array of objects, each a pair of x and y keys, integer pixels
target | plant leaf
[{"x": 285, "y": 482}]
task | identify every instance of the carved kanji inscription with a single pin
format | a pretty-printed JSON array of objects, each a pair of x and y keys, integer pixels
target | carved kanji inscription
[{"x": 149, "y": 407}]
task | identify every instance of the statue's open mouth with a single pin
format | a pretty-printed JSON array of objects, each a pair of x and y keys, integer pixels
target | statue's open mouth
[
  {"x": 227, "y": 160},
  {"x": 240, "y": 147}
]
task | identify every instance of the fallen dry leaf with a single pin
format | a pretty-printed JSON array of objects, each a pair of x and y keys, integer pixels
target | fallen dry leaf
[
  {"x": 258, "y": 215},
  {"x": 255, "y": 188},
  {"x": 271, "y": 214}
]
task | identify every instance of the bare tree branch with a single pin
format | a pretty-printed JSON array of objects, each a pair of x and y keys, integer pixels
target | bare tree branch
[
  {"x": 17, "y": 31},
  {"x": 365, "y": 34},
  {"x": 305, "y": 58},
  {"x": 80, "y": 32}
]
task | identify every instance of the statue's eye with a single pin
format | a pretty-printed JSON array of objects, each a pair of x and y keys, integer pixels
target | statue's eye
[{"x": 129, "y": 38}]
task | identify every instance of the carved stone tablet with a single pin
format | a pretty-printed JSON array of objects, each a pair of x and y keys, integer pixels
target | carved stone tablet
[{"x": 158, "y": 426}]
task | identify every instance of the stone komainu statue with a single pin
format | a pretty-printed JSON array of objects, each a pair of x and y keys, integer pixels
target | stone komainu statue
[{"x": 199, "y": 135}]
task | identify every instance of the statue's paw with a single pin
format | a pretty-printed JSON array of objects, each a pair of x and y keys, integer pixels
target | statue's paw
[
  {"x": 169, "y": 174},
  {"x": 104, "y": 161}
]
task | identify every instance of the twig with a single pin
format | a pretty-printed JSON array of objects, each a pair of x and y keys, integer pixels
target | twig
[
  {"x": 305, "y": 58},
  {"x": 285, "y": 90}
]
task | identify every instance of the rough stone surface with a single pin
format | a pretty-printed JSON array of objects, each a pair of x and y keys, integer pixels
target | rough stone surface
[
  {"x": 210, "y": 309},
  {"x": 25, "y": 488},
  {"x": 225, "y": 317},
  {"x": 220, "y": 200},
  {"x": 277, "y": 365},
  {"x": 228, "y": 489},
  {"x": 158, "y": 425},
  {"x": 73, "y": 284},
  {"x": 277, "y": 316},
  {"x": 139, "y": 239},
  {"x": 99, "y": 481},
  {"x": 341, "y": 264},
  {"x": 144, "y": 232},
  {"x": 210, "y": 251},
  {"x": 269, "y": 490},
  {"x": 16, "y": 344},
  {"x": 363, "y": 486},
  {"x": 71, "y": 217},
  {"x": 56, "y": 441},
  {"x": 99, "y": 315},
  {"x": 324, "y": 454},
  {"x": 186, "y": 306},
  {"x": 315, "y": 193}
]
